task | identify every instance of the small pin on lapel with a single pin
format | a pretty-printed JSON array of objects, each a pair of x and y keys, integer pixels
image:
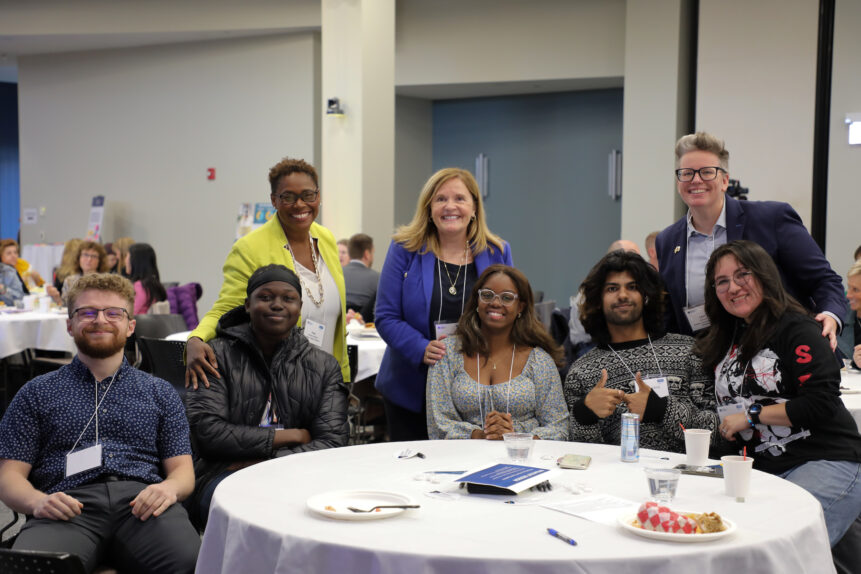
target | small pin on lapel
[{"x": 677, "y": 249}]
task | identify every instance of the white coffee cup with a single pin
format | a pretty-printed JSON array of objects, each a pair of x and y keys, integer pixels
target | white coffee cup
[
  {"x": 736, "y": 475},
  {"x": 44, "y": 304},
  {"x": 30, "y": 302},
  {"x": 697, "y": 446}
]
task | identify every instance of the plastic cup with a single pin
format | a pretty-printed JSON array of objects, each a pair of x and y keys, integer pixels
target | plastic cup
[
  {"x": 663, "y": 483},
  {"x": 697, "y": 446},
  {"x": 29, "y": 302},
  {"x": 736, "y": 476},
  {"x": 518, "y": 445},
  {"x": 44, "y": 304}
]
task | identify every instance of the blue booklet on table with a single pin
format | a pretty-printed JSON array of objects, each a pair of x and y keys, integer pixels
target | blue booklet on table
[{"x": 505, "y": 478}]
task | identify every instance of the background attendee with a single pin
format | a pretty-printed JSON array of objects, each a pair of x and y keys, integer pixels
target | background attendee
[
  {"x": 90, "y": 258},
  {"x": 113, "y": 261},
  {"x": 858, "y": 253},
  {"x": 432, "y": 264},
  {"x": 120, "y": 248},
  {"x": 623, "y": 245},
  {"x": 29, "y": 277},
  {"x": 771, "y": 363},
  {"x": 142, "y": 269},
  {"x": 499, "y": 373},
  {"x": 12, "y": 286},
  {"x": 850, "y": 338},
  {"x": 121, "y": 500},
  {"x": 344, "y": 251},
  {"x": 292, "y": 239},
  {"x": 714, "y": 219},
  {"x": 360, "y": 280},
  {"x": 622, "y": 309},
  {"x": 651, "y": 251},
  {"x": 68, "y": 263},
  {"x": 294, "y": 397}
]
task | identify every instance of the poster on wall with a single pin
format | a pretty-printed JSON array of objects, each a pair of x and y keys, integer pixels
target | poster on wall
[
  {"x": 251, "y": 216},
  {"x": 97, "y": 216},
  {"x": 31, "y": 216}
]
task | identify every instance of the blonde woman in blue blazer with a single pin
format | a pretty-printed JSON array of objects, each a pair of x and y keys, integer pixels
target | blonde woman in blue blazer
[{"x": 430, "y": 268}]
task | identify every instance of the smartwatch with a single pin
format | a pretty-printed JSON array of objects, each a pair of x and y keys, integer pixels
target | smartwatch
[{"x": 753, "y": 412}]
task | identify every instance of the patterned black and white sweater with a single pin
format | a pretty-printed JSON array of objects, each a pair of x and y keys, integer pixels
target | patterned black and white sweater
[{"x": 691, "y": 399}]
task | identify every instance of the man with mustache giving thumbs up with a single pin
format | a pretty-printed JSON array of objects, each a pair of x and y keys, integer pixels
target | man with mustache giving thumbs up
[{"x": 635, "y": 367}]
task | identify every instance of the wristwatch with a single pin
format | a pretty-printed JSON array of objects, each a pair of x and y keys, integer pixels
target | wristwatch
[{"x": 753, "y": 412}]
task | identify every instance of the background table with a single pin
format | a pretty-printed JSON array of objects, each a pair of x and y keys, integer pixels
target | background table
[
  {"x": 34, "y": 330},
  {"x": 259, "y": 521},
  {"x": 43, "y": 258},
  {"x": 371, "y": 353},
  {"x": 852, "y": 380}
]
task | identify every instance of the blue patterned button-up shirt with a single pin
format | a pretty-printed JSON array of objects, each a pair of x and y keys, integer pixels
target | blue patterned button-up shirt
[{"x": 141, "y": 422}]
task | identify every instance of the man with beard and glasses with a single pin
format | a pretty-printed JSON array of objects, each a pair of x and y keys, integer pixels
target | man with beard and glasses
[
  {"x": 97, "y": 453},
  {"x": 635, "y": 367}
]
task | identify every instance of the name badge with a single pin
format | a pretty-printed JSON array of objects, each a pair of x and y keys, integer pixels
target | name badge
[
  {"x": 658, "y": 384},
  {"x": 730, "y": 409},
  {"x": 444, "y": 329},
  {"x": 314, "y": 331},
  {"x": 84, "y": 459},
  {"x": 697, "y": 317}
]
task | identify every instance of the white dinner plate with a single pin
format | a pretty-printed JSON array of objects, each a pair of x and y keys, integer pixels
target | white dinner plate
[
  {"x": 334, "y": 504},
  {"x": 366, "y": 334},
  {"x": 626, "y": 521}
]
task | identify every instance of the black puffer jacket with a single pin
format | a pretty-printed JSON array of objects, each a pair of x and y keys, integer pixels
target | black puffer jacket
[{"x": 307, "y": 391}]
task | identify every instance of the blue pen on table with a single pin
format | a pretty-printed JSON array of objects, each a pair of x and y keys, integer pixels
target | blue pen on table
[{"x": 560, "y": 536}]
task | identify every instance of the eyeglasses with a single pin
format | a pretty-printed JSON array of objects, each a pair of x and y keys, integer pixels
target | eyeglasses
[
  {"x": 90, "y": 314},
  {"x": 741, "y": 278},
  {"x": 289, "y": 198},
  {"x": 89, "y": 255},
  {"x": 507, "y": 298},
  {"x": 706, "y": 173}
]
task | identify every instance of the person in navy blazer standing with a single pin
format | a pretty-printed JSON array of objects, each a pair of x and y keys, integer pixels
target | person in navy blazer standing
[
  {"x": 430, "y": 268},
  {"x": 714, "y": 219}
]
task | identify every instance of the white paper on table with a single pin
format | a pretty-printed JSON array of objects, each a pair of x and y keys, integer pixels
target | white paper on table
[{"x": 602, "y": 508}]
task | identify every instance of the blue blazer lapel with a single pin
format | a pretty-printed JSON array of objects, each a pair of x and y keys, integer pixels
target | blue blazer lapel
[
  {"x": 735, "y": 219},
  {"x": 427, "y": 265}
]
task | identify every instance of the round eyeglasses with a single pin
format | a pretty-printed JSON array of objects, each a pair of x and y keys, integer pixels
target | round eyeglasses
[
  {"x": 741, "y": 278},
  {"x": 507, "y": 298},
  {"x": 706, "y": 173}
]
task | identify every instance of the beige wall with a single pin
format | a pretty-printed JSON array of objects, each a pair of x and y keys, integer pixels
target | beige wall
[
  {"x": 844, "y": 185},
  {"x": 756, "y": 81},
  {"x": 141, "y": 126},
  {"x": 453, "y": 41}
]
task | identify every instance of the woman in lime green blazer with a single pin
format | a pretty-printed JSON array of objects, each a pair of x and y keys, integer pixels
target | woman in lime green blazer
[{"x": 292, "y": 239}]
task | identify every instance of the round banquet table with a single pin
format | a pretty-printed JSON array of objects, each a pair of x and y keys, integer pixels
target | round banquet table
[
  {"x": 851, "y": 393},
  {"x": 259, "y": 521},
  {"x": 34, "y": 330},
  {"x": 371, "y": 351}
]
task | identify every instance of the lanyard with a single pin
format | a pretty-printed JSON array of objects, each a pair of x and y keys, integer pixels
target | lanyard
[
  {"x": 490, "y": 387},
  {"x": 98, "y": 405},
  {"x": 654, "y": 354}
]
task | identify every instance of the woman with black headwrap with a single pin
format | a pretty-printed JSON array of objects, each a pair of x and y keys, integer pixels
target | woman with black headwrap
[{"x": 277, "y": 393}]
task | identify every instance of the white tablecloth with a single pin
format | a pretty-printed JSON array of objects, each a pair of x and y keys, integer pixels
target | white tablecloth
[
  {"x": 43, "y": 258},
  {"x": 259, "y": 522},
  {"x": 852, "y": 380},
  {"x": 34, "y": 330},
  {"x": 370, "y": 356}
]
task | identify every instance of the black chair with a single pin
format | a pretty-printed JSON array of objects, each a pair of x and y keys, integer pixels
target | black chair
[
  {"x": 31, "y": 561},
  {"x": 165, "y": 360},
  {"x": 155, "y": 327}
]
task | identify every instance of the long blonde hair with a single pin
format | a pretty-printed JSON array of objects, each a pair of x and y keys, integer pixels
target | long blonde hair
[
  {"x": 421, "y": 232},
  {"x": 121, "y": 248},
  {"x": 69, "y": 262}
]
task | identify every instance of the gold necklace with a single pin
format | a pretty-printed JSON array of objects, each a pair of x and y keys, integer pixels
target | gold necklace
[
  {"x": 316, "y": 272},
  {"x": 453, "y": 284}
]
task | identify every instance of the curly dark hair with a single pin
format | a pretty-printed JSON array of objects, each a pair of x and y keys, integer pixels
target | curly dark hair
[
  {"x": 713, "y": 344},
  {"x": 287, "y": 166},
  {"x": 527, "y": 331},
  {"x": 649, "y": 284}
]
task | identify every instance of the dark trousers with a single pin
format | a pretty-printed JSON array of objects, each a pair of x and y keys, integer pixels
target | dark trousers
[
  {"x": 107, "y": 530},
  {"x": 404, "y": 424}
]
